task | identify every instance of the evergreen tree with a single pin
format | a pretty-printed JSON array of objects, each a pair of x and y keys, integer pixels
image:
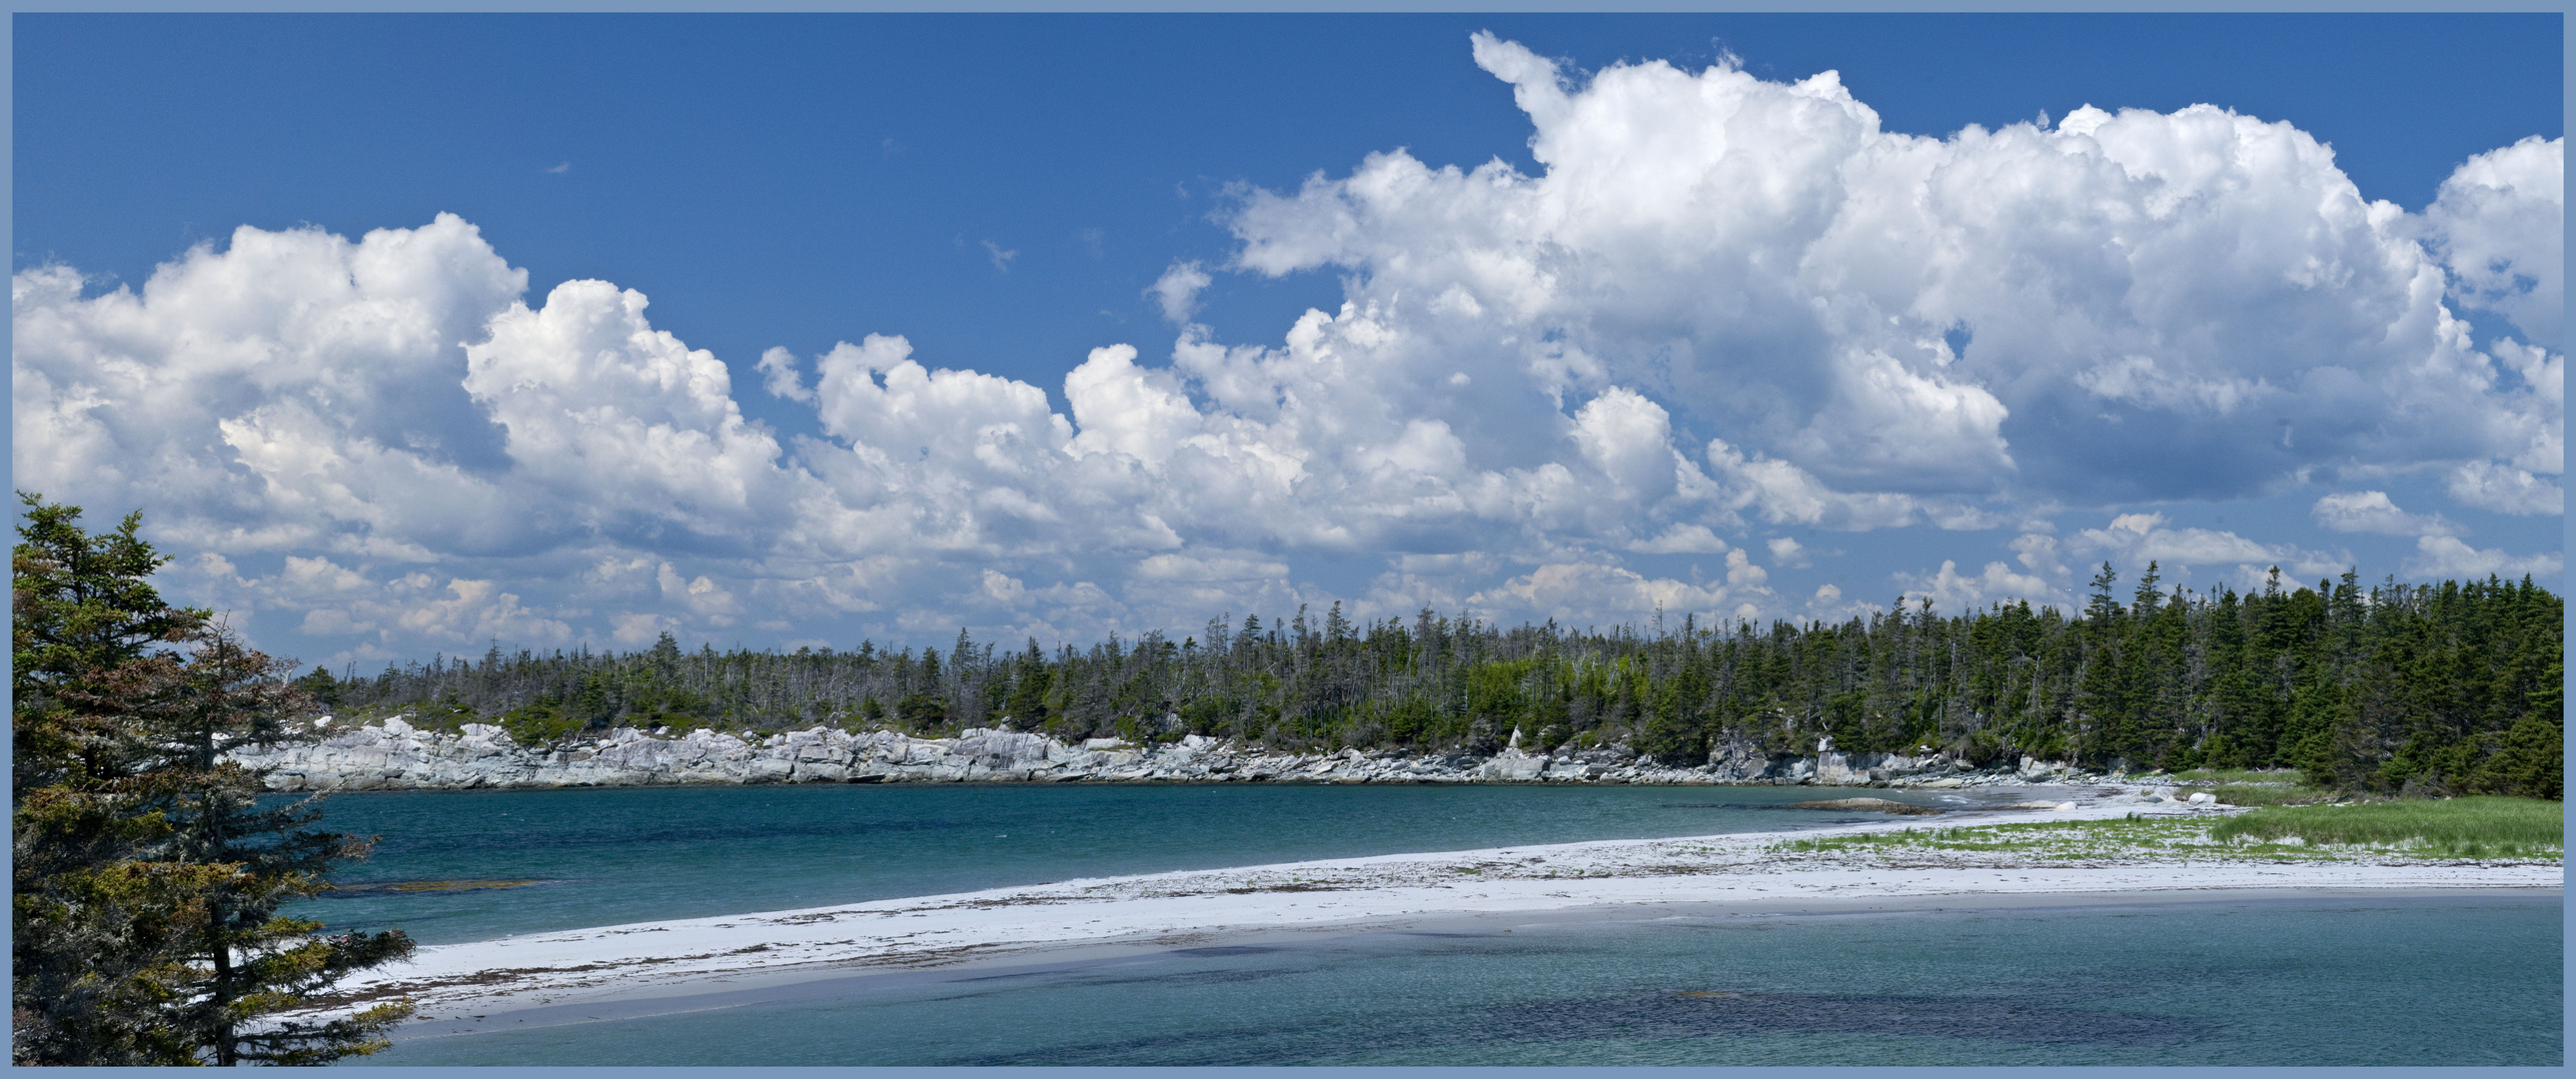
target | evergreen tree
[
  {"x": 98, "y": 912},
  {"x": 146, "y": 872},
  {"x": 246, "y": 962}
]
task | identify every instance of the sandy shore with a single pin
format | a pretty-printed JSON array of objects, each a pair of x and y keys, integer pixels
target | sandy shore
[{"x": 713, "y": 962}]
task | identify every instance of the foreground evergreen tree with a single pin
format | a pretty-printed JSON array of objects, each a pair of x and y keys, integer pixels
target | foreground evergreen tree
[
  {"x": 97, "y": 915},
  {"x": 244, "y": 961},
  {"x": 146, "y": 872}
]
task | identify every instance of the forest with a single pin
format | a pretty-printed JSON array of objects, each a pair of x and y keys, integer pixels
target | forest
[{"x": 2445, "y": 687}]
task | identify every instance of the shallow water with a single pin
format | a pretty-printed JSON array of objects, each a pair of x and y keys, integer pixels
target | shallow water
[
  {"x": 2466, "y": 980},
  {"x": 607, "y": 857}
]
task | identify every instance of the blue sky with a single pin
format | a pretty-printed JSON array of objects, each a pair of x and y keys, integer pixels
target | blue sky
[{"x": 1005, "y": 193}]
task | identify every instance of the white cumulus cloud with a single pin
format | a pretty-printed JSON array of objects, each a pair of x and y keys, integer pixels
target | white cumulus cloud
[
  {"x": 2371, "y": 511},
  {"x": 2141, "y": 538},
  {"x": 1721, "y": 303},
  {"x": 2505, "y": 489},
  {"x": 2193, "y": 304},
  {"x": 2446, "y": 556}
]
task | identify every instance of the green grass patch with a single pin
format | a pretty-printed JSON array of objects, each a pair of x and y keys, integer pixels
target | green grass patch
[
  {"x": 2476, "y": 827},
  {"x": 2267, "y": 794},
  {"x": 2248, "y": 787},
  {"x": 2049, "y": 841},
  {"x": 2288, "y": 777},
  {"x": 2162, "y": 838}
]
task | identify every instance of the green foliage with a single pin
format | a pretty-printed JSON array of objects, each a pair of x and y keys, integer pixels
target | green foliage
[
  {"x": 2451, "y": 687},
  {"x": 2527, "y": 831},
  {"x": 2456, "y": 824},
  {"x": 2269, "y": 794},
  {"x": 2282, "y": 776},
  {"x": 319, "y": 685},
  {"x": 146, "y": 873},
  {"x": 540, "y": 725},
  {"x": 921, "y": 712}
]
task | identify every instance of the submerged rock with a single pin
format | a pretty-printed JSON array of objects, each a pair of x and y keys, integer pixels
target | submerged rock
[{"x": 1871, "y": 805}]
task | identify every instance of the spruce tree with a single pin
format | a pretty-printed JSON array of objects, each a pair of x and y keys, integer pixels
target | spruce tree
[
  {"x": 245, "y": 962},
  {"x": 146, "y": 873},
  {"x": 98, "y": 911}
]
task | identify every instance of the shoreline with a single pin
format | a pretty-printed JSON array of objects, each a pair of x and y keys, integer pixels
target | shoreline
[
  {"x": 391, "y": 754},
  {"x": 624, "y": 970}
]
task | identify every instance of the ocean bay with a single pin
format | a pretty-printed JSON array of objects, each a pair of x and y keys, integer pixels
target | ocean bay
[
  {"x": 2248, "y": 976},
  {"x": 613, "y": 856},
  {"x": 2282, "y": 979}
]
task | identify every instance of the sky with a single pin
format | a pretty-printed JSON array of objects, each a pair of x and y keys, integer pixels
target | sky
[{"x": 413, "y": 335}]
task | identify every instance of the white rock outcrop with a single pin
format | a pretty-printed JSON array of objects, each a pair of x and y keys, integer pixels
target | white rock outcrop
[{"x": 392, "y": 754}]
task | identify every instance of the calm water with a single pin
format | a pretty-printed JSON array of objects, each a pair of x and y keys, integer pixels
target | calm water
[
  {"x": 607, "y": 857},
  {"x": 2410, "y": 981}
]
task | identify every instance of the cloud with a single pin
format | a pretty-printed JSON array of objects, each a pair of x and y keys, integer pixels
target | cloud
[
  {"x": 1952, "y": 593},
  {"x": 2498, "y": 224},
  {"x": 1578, "y": 593},
  {"x": 2505, "y": 489},
  {"x": 296, "y": 391},
  {"x": 2371, "y": 511},
  {"x": 2447, "y": 557},
  {"x": 2037, "y": 553},
  {"x": 558, "y": 170},
  {"x": 2137, "y": 539},
  {"x": 1721, "y": 304},
  {"x": 2195, "y": 304},
  {"x": 1001, "y": 256},
  {"x": 781, "y": 378},
  {"x": 1177, "y": 291},
  {"x": 1177, "y": 567},
  {"x": 631, "y": 431},
  {"x": 1683, "y": 539}
]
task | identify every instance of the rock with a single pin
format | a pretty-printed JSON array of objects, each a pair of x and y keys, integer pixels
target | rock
[
  {"x": 1878, "y": 805},
  {"x": 1512, "y": 765},
  {"x": 394, "y": 755}
]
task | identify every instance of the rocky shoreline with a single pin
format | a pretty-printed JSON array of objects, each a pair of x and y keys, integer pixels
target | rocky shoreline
[{"x": 394, "y": 755}]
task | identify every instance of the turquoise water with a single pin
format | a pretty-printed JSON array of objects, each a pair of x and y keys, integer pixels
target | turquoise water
[
  {"x": 2390, "y": 981},
  {"x": 607, "y": 857}
]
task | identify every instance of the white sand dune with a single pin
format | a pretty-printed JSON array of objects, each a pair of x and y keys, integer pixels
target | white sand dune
[{"x": 1037, "y": 923}]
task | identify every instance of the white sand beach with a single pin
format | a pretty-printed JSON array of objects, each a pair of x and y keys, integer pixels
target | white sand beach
[{"x": 702, "y": 957}]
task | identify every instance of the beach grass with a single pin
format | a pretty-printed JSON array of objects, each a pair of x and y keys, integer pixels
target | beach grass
[
  {"x": 2271, "y": 794},
  {"x": 2518, "y": 832},
  {"x": 2289, "y": 777},
  {"x": 2118, "y": 839},
  {"x": 2472, "y": 827},
  {"x": 2251, "y": 787}
]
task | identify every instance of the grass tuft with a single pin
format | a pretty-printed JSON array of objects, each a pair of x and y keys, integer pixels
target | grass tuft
[
  {"x": 2287, "y": 777},
  {"x": 2268, "y": 794},
  {"x": 2478, "y": 827},
  {"x": 2482, "y": 828}
]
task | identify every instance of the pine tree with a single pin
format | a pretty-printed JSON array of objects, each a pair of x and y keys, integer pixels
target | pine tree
[
  {"x": 97, "y": 911},
  {"x": 146, "y": 874},
  {"x": 247, "y": 962}
]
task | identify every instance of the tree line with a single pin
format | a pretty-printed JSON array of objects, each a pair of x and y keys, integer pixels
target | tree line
[{"x": 2452, "y": 686}]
